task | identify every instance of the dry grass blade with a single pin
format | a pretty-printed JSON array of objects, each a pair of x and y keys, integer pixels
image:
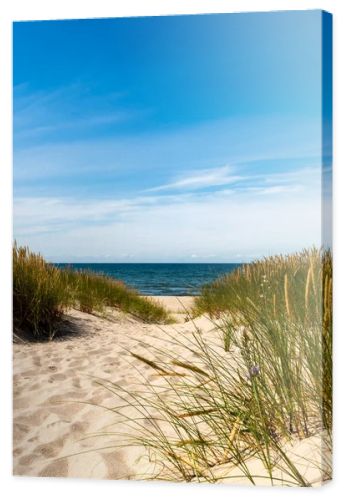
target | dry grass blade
[
  {"x": 190, "y": 367},
  {"x": 156, "y": 367}
]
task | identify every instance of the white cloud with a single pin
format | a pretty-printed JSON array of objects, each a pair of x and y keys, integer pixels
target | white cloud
[
  {"x": 204, "y": 179},
  {"x": 143, "y": 197},
  {"x": 215, "y": 226},
  {"x": 163, "y": 153}
]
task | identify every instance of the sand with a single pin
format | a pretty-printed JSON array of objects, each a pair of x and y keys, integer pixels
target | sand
[
  {"x": 57, "y": 385},
  {"x": 178, "y": 305},
  {"x": 53, "y": 383}
]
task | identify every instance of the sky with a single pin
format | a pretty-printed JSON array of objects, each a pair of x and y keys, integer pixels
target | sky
[{"x": 168, "y": 139}]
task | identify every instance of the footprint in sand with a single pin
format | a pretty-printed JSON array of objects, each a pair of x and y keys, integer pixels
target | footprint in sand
[
  {"x": 116, "y": 465},
  {"x": 17, "y": 452},
  {"x": 58, "y": 468},
  {"x": 52, "y": 448},
  {"x": 31, "y": 420},
  {"x": 96, "y": 352},
  {"x": 28, "y": 459},
  {"x": 20, "y": 403},
  {"x": 35, "y": 387},
  {"x": 20, "y": 431},
  {"x": 79, "y": 427},
  {"x": 65, "y": 409},
  {"x": 96, "y": 399},
  {"x": 58, "y": 377},
  {"x": 29, "y": 374},
  {"x": 33, "y": 439},
  {"x": 76, "y": 382},
  {"x": 37, "y": 361}
]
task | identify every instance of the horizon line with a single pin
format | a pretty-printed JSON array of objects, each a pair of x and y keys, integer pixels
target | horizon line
[{"x": 149, "y": 263}]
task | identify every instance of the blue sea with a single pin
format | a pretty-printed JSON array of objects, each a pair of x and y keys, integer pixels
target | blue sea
[{"x": 160, "y": 279}]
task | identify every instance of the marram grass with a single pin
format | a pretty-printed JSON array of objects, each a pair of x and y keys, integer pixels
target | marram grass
[
  {"x": 41, "y": 294},
  {"x": 263, "y": 383}
]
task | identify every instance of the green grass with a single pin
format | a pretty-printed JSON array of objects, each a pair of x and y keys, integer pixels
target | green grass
[
  {"x": 284, "y": 305},
  {"x": 264, "y": 382},
  {"x": 92, "y": 292},
  {"x": 41, "y": 294}
]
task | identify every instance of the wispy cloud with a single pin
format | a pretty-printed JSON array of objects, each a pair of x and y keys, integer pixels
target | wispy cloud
[
  {"x": 114, "y": 156},
  {"x": 215, "y": 226},
  {"x": 75, "y": 124},
  {"x": 56, "y": 209},
  {"x": 161, "y": 158},
  {"x": 205, "y": 178},
  {"x": 208, "y": 189},
  {"x": 74, "y": 108}
]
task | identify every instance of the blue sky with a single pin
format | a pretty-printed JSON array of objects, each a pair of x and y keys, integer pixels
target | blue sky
[{"x": 168, "y": 139}]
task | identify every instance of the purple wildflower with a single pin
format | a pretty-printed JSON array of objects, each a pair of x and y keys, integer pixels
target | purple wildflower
[{"x": 254, "y": 371}]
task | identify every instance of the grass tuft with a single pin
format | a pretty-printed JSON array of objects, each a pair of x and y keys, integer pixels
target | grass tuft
[
  {"x": 42, "y": 292},
  {"x": 39, "y": 294},
  {"x": 250, "y": 397}
]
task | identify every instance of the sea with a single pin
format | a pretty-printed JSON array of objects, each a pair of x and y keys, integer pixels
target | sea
[{"x": 160, "y": 279}]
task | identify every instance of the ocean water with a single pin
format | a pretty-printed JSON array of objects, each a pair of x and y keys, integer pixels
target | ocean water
[{"x": 160, "y": 279}]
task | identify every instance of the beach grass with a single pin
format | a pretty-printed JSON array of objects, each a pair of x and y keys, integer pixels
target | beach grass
[
  {"x": 93, "y": 292},
  {"x": 42, "y": 293},
  {"x": 39, "y": 294},
  {"x": 261, "y": 386}
]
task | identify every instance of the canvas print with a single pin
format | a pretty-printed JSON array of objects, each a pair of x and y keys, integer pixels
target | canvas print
[{"x": 172, "y": 257}]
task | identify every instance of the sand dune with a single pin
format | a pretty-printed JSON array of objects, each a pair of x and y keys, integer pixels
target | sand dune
[
  {"x": 57, "y": 385},
  {"x": 54, "y": 382}
]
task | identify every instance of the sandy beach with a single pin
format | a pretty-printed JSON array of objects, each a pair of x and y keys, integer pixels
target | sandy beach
[
  {"x": 58, "y": 429},
  {"x": 55, "y": 382}
]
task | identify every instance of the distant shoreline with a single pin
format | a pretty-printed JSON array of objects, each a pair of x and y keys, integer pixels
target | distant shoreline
[
  {"x": 174, "y": 303},
  {"x": 159, "y": 279}
]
